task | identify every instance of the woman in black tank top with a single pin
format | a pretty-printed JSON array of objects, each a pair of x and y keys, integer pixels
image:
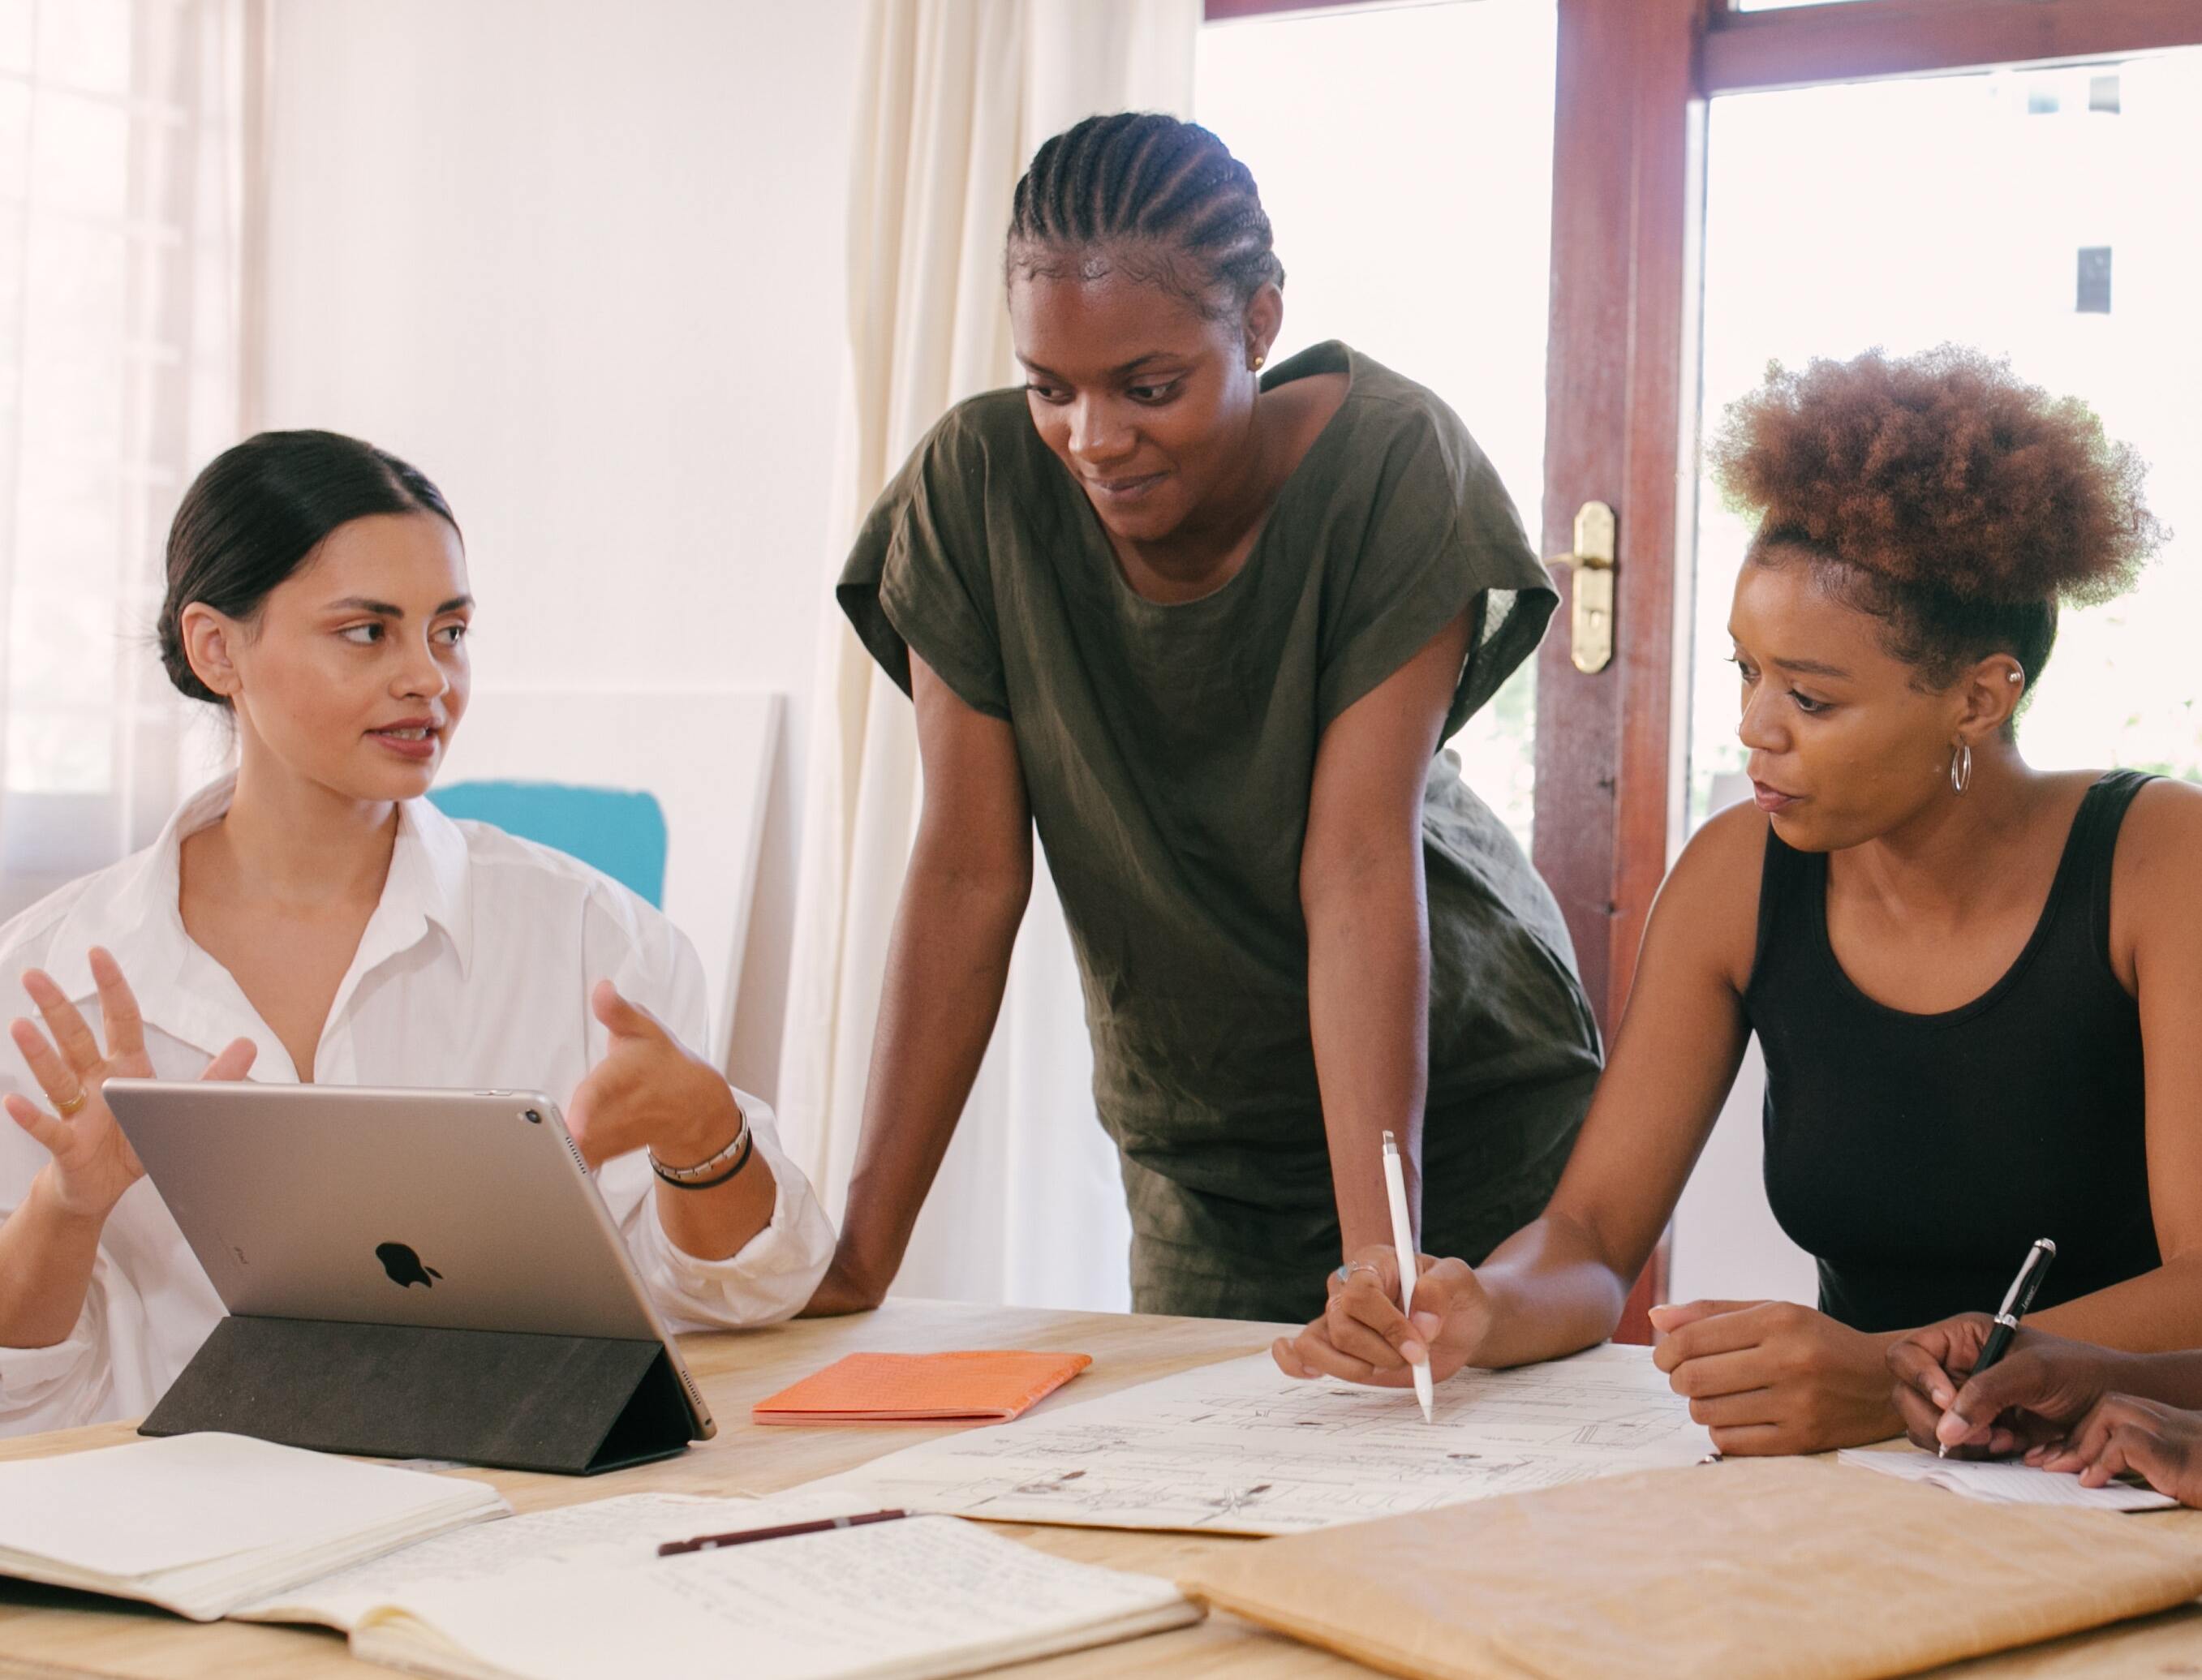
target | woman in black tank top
[
  {"x": 1917, "y": 1155},
  {"x": 1978, "y": 986}
]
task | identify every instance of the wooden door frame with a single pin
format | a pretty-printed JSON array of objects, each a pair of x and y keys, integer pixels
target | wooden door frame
[
  {"x": 1868, "y": 40},
  {"x": 1623, "y": 385},
  {"x": 1634, "y": 80}
]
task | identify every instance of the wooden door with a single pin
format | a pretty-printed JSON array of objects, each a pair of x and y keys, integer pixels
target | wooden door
[{"x": 1629, "y": 193}]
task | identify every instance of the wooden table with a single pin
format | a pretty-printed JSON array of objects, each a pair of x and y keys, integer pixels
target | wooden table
[{"x": 46, "y": 1633}]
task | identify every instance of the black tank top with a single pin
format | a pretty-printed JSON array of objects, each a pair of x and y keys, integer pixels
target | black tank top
[{"x": 1916, "y": 1156}]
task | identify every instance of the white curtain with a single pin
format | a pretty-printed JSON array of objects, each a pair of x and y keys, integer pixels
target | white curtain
[
  {"x": 953, "y": 97},
  {"x": 122, "y": 193}
]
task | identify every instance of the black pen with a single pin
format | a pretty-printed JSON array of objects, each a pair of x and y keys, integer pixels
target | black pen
[
  {"x": 2018, "y": 1302},
  {"x": 712, "y": 1542}
]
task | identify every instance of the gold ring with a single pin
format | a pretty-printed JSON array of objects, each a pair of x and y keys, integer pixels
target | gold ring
[{"x": 74, "y": 1104}]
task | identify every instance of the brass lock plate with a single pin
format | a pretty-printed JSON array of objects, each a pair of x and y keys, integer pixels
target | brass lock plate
[{"x": 1590, "y": 617}]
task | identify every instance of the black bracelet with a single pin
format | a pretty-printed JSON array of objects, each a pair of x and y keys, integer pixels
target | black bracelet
[{"x": 741, "y": 1161}]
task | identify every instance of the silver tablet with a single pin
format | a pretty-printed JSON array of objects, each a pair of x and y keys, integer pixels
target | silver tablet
[{"x": 452, "y": 1210}]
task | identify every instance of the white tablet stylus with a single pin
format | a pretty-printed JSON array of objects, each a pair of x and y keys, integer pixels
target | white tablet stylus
[{"x": 1403, "y": 1238}]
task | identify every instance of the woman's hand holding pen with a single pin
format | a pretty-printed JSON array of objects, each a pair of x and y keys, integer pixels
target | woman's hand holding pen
[
  {"x": 1363, "y": 1337},
  {"x": 1774, "y": 1376},
  {"x": 2058, "y": 1399},
  {"x": 2041, "y": 1386}
]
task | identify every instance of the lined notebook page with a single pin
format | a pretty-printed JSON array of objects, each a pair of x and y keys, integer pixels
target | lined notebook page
[
  {"x": 2003, "y": 1482},
  {"x": 929, "y": 1595},
  {"x": 607, "y": 1532},
  {"x": 197, "y": 1499}
]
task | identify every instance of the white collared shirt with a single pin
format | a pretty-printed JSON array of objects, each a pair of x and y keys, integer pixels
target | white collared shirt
[{"x": 474, "y": 974}]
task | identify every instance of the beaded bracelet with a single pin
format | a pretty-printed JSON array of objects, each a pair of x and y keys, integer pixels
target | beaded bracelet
[{"x": 705, "y": 1174}]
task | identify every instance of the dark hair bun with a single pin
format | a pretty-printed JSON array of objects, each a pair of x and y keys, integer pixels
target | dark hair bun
[
  {"x": 257, "y": 514},
  {"x": 1942, "y": 470}
]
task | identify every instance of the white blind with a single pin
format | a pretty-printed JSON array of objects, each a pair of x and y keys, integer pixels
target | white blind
[{"x": 121, "y": 190}]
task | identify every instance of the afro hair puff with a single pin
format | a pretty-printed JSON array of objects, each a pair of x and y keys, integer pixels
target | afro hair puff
[{"x": 1942, "y": 471}]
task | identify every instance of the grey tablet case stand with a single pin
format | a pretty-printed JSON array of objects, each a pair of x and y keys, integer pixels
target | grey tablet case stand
[{"x": 573, "y": 1405}]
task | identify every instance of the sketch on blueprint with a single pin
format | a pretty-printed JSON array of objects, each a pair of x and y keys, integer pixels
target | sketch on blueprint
[{"x": 1241, "y": 1449}]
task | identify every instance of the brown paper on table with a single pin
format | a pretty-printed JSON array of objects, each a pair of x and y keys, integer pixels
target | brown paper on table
[{"x": 1763, "y": 1569}]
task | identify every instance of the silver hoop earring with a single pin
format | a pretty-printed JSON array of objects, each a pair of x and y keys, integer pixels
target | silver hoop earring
[{"x": 1961, "y": 768}]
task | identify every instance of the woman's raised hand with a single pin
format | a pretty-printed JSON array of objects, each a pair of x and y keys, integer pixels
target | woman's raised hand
[
  {"x": 91, "y": 1163},
  {"x": 1363, "y": 1337},
  {"x": 649, "y": 1090}
]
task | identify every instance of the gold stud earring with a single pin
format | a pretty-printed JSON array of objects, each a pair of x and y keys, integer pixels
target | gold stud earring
[{"x": 1254, "y": 362}]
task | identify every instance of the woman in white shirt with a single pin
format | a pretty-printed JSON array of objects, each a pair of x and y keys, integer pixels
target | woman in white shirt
[{"x": 315, "y": 917}]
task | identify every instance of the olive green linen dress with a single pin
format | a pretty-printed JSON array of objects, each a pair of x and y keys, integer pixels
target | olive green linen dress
[{"x": 1169, "y": 754}]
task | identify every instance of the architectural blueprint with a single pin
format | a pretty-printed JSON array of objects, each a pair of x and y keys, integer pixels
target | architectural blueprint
[{"x": 1241, "y": 1449}]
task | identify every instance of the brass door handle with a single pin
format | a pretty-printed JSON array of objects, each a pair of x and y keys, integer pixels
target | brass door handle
[{"x": 1590, "y": 628}]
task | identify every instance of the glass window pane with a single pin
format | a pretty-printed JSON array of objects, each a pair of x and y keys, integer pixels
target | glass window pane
[
  {"x": 116, "y": 376},
  {"x": 81, "y": 151},
  {"x": 1418, "y": 229},
  {"x": 18, "y": 36},
  {"x": 86, "y": 43},
  {"x": 2037, "y": 214},
  {"x": 67, "y": 750},
  {"x": 14, "y": 140}
]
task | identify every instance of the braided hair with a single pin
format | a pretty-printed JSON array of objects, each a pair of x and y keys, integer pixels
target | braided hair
[{"x": 1150, "y": 197}]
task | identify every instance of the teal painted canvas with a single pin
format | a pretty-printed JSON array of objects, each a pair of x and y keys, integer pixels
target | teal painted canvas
[{"x": 623, "y": 834}]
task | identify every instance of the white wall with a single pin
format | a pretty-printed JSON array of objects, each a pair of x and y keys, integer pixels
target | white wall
[
  {"x": 580, "y": 261},
  {"x": 1726, "y": 1244}
]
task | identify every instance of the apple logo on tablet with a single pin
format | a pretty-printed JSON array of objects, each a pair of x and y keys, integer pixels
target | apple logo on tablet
[{"x": 404, "y": 1266}]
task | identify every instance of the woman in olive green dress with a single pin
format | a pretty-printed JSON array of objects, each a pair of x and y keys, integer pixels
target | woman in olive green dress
[{"x": 1205, "y": 628}]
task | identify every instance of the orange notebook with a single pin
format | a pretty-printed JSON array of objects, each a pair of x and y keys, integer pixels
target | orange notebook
[{"x": 973, "y": 1388}]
